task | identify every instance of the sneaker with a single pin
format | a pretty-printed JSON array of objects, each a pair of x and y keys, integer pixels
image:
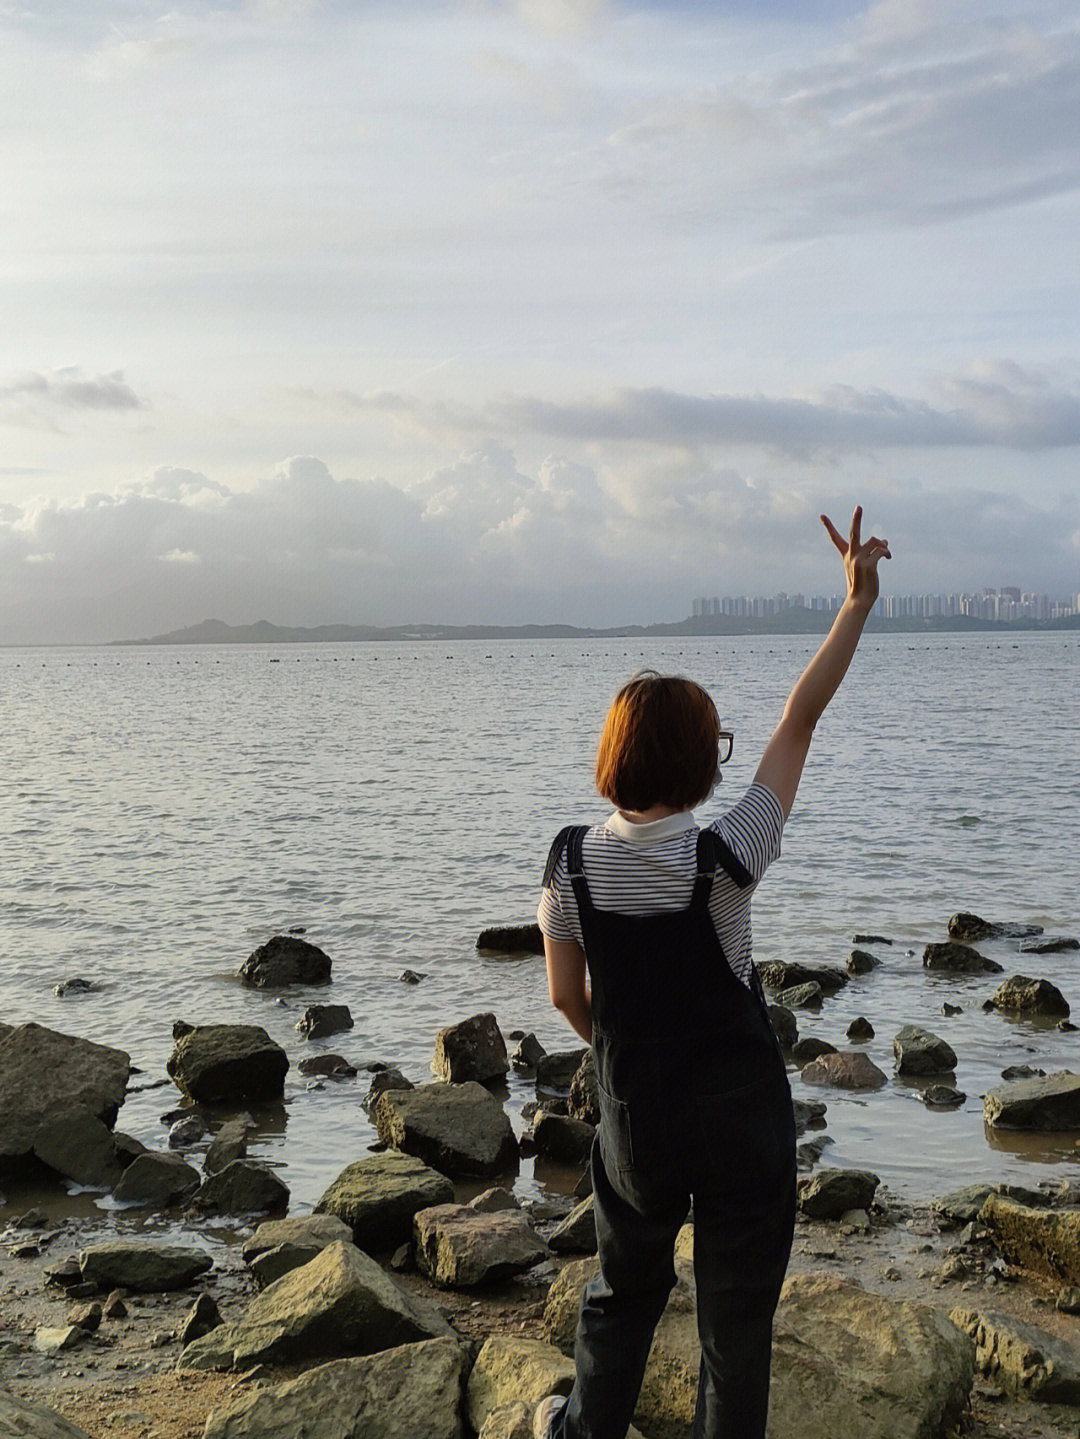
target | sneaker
[{"x": 546, "y": 1411}]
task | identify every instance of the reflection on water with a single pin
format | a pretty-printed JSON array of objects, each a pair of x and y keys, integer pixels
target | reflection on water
[
  {"x": 1044, "y": 1148},
  {"x": 165, "y": 814}
]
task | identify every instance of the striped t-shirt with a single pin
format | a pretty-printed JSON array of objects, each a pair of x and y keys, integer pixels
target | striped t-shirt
[{"x": 650, "y": 869}]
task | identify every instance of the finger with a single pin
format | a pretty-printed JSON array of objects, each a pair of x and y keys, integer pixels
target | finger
[
  {"x": 856, "y": 528},
  {"x": 834, "y": 534}
]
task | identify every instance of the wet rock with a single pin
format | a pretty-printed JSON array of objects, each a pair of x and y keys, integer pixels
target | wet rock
[
  {"x": 860, "y": 1029},
  {"x": 870, "y": 939},
  {"x": 412, "y": 1391},
  {"x": 961, "y": 1206},
  {"x": 75, "y": 985},
  {"x": 577, "y": 1233},
  {"x": 45, "y": 1075},
  {"x": 157, "y": 1181},
  {"x": 381, "y": 1081},
  {"x": 784, "y": 1025},
  {"x": 1066, "y": 1025},
  {"x": 19, "y": 1417},
  {"x": 802, "y": 996},
  {"x": 491, "y": 1201},
  {"x": 145, "y": 1268},
  {"x": 861, "y": 961},
  {"x": 1021, "y": 1358},
  {"x": 1036, "y": 1104},
  {"x": 831, "y": 1192},
  {"x": 228, "y": 1144},
  {"x": 515, "y": 1370},
  {"x": 333, "y": 1066},
  {"x": 584, "y": 1101},
  {"x": 955, "y": 958},
  {"x": 948, "y": 1008},
  {"x": 30, "y": 1219},
  {"x": 1049, "y": 944},
  {"x": 461, "y": 1248},
  {"x": 279, "y": 1245},
  {"x": 849, "y": 1069},
  {"x": 378, "y": 1197},
  {"x": 1029, "y": 996},
  {"x": 74, "y": 1142},
  {"x": 970, "y": 928},
  {"x": 242, "y": 1187},
  {"x": 565, "y": 1140},
  {"x": 809, "y": 1049},
  {"x": 65, "y": 1275},
  {"x": 556, "y": 1071},
  {"x": 319, "y": 1020},
  {"x": 943, "y": 1096},
  {"x": 808, "y": 1112},
  {"x": 221, "y": 1063},
  {"x": 528, "y": 1054},
  {"x": 512, "y": 939},
  {"x": 918, "y": 1051},
  {"x": 472, "y": 1049},
  {"x": 186, "y": 1131},
  {"x": 1047, "y": 1240},
  {"x": 285, "y": 959},
  {"x": 456, "y": 1128},
  {"x": 201, "y": 1318},
  {"x": 341, "y": 1303},
  {"x": 784, "y": 975},
  {"x": 1068, "y": 1300},
  {"x": 1022, "y": 1071}
]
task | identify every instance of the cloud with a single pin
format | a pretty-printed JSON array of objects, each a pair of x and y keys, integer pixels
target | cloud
[
  {"x": 34, "y": 399},
  {"x": 487, "y": 538}
]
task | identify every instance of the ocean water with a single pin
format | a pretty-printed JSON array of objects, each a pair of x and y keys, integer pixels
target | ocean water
[{"x": 166, "y": 810}]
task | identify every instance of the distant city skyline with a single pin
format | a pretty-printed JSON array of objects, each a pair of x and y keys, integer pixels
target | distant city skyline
[{"x": 1004, "y": 605}]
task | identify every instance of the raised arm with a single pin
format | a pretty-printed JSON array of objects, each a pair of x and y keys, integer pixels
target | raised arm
[{"x": 782, "y": 763}]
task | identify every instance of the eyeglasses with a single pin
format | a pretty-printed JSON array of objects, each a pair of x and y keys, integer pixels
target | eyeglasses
[{"x": 725, "y": 743}]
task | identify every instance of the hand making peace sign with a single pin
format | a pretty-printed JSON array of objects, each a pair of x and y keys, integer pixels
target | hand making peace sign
[{"x": 860, "y": 558}]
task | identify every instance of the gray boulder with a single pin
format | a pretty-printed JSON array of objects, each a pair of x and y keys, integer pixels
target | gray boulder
[
  {"x": 1052, "y": 1103},
  {"x": 201, "y": 1318},
  {"x": 848, "y": 1364},
  {"x": 413, "y": 1391},
  {"x": 283, "y": 960},
  {"x": 331, "y": 1066},
  {"x": 565, "y": 1140},
  {"x": 341, "y": 1303},
  {"x": 512, "y": 939},
  {"x": 811, "y": 1048},
  {"x": 157, "y": 1181},
  {"x": 785, "y": 975},
  {"x": 1049, "y": 944},
  {"x": 381, "y": 1081},
  {"x": 784, "y": 1025},
  {"x": 802, "y": 996},
  {"x": 808, "y": 1112},
  {"x": 556, "y": 1071},
  {"x": 242, "y": 1187},
  {"x": 45, "y": 1074},
  {"x": 917, "y": 1051},
  {"x": 144, "y": 1268},
  {"x": 860, "y": 1030},
  {"x": 279, "y": 1245},
  {"x": 220, "y": 1063},
  {"x": 861, "y": 961},
  {"x": 528, "y": 1054},
  {"x": 1046, "y": 1240},
  {"x": 471, "y": 1049},
  {"x": 1022, "y": 995},
  {"x": 970, "y": 928},
  {"x": 24, "y": 1419},
  {"x": 456, "y": 1128},
  {"x": 584, "y": 1100},
  {"x": 961, "y": 1206},
  {"x": 378, "y": 1197},
  {"x": 847, "y": 1069},
  {"x": 319, "y": 1020},
  {"x": 1021, "y": 1358},
  {"x": 510, "y": 1370},
  {"x": 77, "y": 1144},
  {"x": 577, "y": 1233},
  {"x": 954, "y": 958},
  {"x": 229, "y": 1143},
  {"x": 458, "y": 1247},
  {"x": 832, "y": 1192}
]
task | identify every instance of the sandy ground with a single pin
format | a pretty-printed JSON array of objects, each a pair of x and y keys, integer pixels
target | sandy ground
[{"x": 121, "y": 1383}]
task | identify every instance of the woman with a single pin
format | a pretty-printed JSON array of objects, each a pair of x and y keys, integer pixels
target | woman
[{"x": 646, "y": 923}]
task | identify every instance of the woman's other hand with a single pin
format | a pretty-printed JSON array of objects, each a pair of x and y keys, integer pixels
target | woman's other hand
[{"x": 860, "y": 559}]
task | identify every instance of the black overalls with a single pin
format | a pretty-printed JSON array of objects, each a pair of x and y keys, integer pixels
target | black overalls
[{"x": 694, "y": 1102}]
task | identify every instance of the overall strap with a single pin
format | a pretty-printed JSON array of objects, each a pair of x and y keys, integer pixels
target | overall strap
[
  {"x": 729, "y": 861},
  {"x": 575, "y": 866},
  {"x": 706, "y": 867}
]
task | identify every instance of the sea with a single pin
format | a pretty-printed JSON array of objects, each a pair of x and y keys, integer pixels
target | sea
[{"x": 166, "y": 809}]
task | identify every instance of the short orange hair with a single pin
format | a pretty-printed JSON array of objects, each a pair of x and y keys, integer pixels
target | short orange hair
[{"x": 659, "y": 744}]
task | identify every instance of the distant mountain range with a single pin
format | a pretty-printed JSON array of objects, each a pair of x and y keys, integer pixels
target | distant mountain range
[{"x": 790, "y": 622}]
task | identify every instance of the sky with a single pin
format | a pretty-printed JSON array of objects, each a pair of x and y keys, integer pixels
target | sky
[{"x": 522, "y": 311}]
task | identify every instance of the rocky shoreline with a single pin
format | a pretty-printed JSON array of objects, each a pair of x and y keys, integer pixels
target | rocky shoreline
[{"x": 411, "y": 1306}]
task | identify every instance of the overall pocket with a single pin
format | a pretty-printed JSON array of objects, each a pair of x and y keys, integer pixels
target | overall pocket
[{"x": 615, "y": 1139}]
